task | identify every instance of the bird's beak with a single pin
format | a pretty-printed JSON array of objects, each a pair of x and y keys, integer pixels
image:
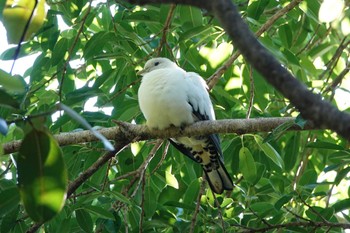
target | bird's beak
[{"x": 140, "y": 72}]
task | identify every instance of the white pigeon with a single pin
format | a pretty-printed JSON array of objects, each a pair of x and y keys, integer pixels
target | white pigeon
[{"x": 170, "y": 96}]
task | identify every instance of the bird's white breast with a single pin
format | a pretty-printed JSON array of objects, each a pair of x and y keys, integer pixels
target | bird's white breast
[{"x": 163, "y": 98}]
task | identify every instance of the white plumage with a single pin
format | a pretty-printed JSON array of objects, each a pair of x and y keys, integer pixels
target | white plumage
[{"x": 169, "y": 96}]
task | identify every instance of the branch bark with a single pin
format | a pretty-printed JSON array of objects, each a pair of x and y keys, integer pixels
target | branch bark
[
  {"x": 311, "y": 106},
  {"x": 131, "y": 132},
  {"x": 214, "y": 78}
]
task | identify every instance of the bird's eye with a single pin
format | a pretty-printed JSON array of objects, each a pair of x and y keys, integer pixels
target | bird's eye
[{"x": 156, "y": 63}]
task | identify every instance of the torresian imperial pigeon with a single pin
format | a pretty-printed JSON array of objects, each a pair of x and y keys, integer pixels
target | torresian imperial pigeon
[{"x": 170, "y": 96}]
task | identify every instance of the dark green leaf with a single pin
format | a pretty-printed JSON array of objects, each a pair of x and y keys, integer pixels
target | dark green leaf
[
  {"x": 292, "y": 152},
  {"x": 269, "y": 151},
  {"x": 324, "y": 145},
  {"x": 247, "y": 165},
  {"x": 341, "y": 205},
  {"x": 42, "y": 176},
  {"x": 97, "y": 43},
  {"x": 150, "y": 203},
  {"x": 341, "y": 175},
  {"x": 283, "y": 200},
  {"x": 9, "y": 220},
  {"x": 256, "y": 8},
  {"x": 279, "y": 131},
  {"x": 7, "y": 100},
  {"x": 99, "y": 211},
  {"x": 84, "y": 220},
  {"x": 308, "y": 179},
  {"x": 12, "y": 84},
  {"x": 286, "y": 35},
  {"x": 9, "y": 199},
  {"x": 191, "y": 15},
  {"x": 59, "y": 51}
]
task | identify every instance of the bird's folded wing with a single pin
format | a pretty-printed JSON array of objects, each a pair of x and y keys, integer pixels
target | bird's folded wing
[{"x": 202, "y": 109}]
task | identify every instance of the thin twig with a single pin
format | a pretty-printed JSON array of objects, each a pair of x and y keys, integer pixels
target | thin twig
[
  {"x": 331, "y": 64},
  {"x": 297, "y": 215},
  {"x": 18, "y": 48},
  {"x": 165, "y": 152},
  {"x": 139, "y": 175},
  {"x": 70, "y": 51},
  {"x": 338, "y": 80},
  {"x": 8, "y": 167},
  {"x": 165, "y": 29},
  {"x": 142, "y": 169},
  {"x": 142, "y": 203},
  {"x": 219, "y": 212},
  {"x": 198, "y": 204},
  {"x": 313, "y": 210},
  {"x": 260, "y": 218},
  {"x": 251, "y": 98}
]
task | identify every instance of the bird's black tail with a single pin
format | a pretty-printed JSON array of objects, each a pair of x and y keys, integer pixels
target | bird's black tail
[{"x": 218, "y": 178}]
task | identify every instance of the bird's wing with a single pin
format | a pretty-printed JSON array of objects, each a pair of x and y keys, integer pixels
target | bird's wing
[{"x": 202, "y": 109}]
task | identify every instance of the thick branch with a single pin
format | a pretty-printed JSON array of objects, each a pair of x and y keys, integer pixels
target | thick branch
[
  {"x": 134, "y": 132},
  {"x": 214, "y": 78},
  {"x": 310, "y": 105}
]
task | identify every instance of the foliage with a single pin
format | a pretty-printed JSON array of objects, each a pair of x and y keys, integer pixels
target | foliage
[{"x": 297, "y": 181}]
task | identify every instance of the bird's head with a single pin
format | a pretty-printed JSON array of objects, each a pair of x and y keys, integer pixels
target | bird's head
[{"x": 156, "y": 63}]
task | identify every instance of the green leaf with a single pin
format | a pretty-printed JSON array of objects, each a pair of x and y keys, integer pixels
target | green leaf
[
  {"x": 292, "y": 151},
  {"x": 26, "y": 49},
  {"x": 262, "y": 208},
  {"x": 59, "y": 51},
  {"x": 291, "y": 58},
  {"x": 2, "y": 6},
  {"x": 191, "y": 15},
  {"x": 151, "y": 202},
  {"x": 12, "y": 84},
  {"x": 96, "y": 44},
  {"x": 341, "y": 175},
  {"x": 256, "y": 8},
  {"x": 42, "y": 176},
  {"x": 84, "y": 220},
  {"x": 9, "y": 220},
  {"x": 269, "y": 151},
  {"x": 171, "y": 180},
  {"x": 120, "y": 197},
  {"x": 192, "y": 192},
  {"x": 279, "y": 131},
  {"x": 7, "y": 100},
  {"x": 283, "y": 200},
  {"x": 247, "y": 165},
  {"x": 195, "y": 32},
  {"x": 341, "y": 205},
  {"x": 324, "y": 145},
  {"x": 9, "y": 199},
  {"x": 323, "y": 213},
  {"x": 308, "y": 179},
  {"x": 286, "y": 35},
  {"x": 99, "y": 211}
]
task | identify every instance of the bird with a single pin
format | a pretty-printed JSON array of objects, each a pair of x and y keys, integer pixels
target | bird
[{"x": 170, "y": 96}]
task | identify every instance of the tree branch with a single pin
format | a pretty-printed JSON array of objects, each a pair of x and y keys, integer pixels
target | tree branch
[
  {"x": 214, "y": 78},
  {"x": 311, "y": 106},
  {"x": 297, "y": 224},
  {"x": 132, "y": 132}
]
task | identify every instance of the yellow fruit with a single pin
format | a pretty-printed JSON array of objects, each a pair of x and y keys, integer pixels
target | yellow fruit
[{"x": 16, "y": 15}]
